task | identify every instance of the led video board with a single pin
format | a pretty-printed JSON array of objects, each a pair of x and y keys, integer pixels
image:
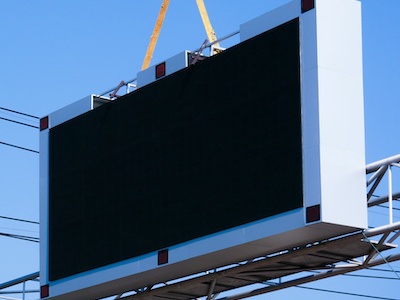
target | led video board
[
  {"x": 238, "y": 155},
  {"x": 182, "y": 158}
]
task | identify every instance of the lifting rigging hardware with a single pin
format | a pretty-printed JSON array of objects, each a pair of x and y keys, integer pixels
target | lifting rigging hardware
[{"x": 160, "y": 20}]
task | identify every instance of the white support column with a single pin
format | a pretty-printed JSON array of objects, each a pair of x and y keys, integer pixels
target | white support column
[{"x": 390, "y": 193}]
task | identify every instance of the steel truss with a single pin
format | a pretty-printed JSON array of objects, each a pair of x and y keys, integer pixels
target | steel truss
[
  {"x": 308, "y": 262},
  {"x": 289, "y": 267}
]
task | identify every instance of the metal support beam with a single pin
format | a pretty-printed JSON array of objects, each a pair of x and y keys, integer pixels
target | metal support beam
[
  {"x": 372, "y": 167},
  {"x": 378, "y": 173},
  {"x": 383, "y": 199},
  {"x": 382, "y": 229},
  {"x": 390, "y": 194},
  {"x": 211, "y": 289},
  {"x": 376, "y": 183},
  {"x": 394, "y": 237},
  {"x": 19, "y": 280}
]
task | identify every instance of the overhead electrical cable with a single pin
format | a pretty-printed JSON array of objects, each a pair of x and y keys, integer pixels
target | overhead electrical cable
[
  {"x": 18, "y": 112},
  {"x": 20, "y": 123},
  {"x": 19, "y": 147},
  {"x": 381, "y": 270},
  {"x": 20, "y": 220},
  {"x": 18, "y": 229},
  {"x": 385, "y": 206},
  {"x": 371, "y": 276},
  {"x": 20, "y": 237},
  {"x": 347, "y": 293}
]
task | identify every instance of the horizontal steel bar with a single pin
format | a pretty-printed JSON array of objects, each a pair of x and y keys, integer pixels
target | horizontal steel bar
[
  {"x": 383, "y": 199},
  {"x": 382, "y": 229},
  {"x": 19, "y": 280},
  {"x": 372, "y": 167}
]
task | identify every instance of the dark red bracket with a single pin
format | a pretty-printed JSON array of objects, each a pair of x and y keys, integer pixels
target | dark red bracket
[{"x": 307, "y": 5}]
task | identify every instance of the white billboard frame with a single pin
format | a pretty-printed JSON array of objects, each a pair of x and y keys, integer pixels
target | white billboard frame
[{"x": 333, "y": 162}]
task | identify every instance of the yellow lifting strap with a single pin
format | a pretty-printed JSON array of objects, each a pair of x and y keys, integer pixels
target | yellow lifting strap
[
  {"x": 206, "y": 22},
  {"x": 160, "y": 20},
  {"x": 156, "y": 33}
]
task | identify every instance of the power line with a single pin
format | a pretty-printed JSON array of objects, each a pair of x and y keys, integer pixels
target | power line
[
  {"x": 18, "y": 112},
  {"x": 20, "y": 237},
  {"x": 371, "y": 276},
  {"x": 17, "y": 122},
  {"x": 18, "y": 229},
  {"x": 20, "y": 220},
  {"x": 19, "y": 147},
  {"x": 346, "y": 293},
  {"x": 385, "y": 206},
  {"x": 381, "y": 270}
]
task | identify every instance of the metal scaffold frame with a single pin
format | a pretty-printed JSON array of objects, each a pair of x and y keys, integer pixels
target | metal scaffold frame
[{"x": 286, "y": 268}]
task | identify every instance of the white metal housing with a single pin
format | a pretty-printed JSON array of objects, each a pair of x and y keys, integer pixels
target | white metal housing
[
  {"x": 172, "y": 65},
  {"x": 333, "y": 159}
]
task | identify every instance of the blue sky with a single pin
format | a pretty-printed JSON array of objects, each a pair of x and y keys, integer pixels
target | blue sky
[{"x": 56, "y": 52}]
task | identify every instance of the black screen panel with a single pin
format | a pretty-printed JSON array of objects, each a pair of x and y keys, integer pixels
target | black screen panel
[{"x": 198, "y": 152}]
